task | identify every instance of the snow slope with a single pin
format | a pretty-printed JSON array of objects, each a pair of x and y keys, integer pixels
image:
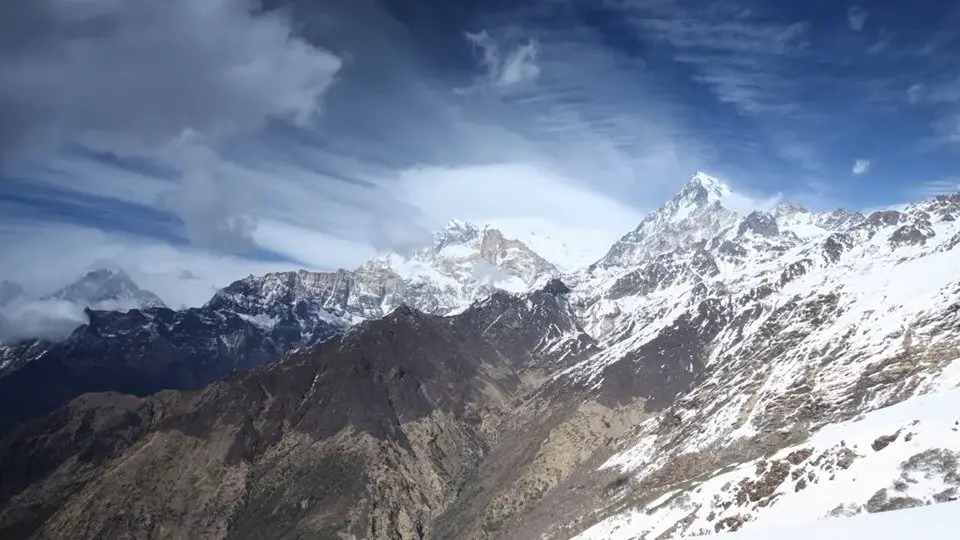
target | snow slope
[
  {"x": 928, "y": 523},
  {"x": 768, "y": 329},
  {"x": 901, "y": 456}
]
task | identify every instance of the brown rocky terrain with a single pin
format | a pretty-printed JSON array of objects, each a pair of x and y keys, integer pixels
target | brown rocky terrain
[{"x": 370, "y": 435}]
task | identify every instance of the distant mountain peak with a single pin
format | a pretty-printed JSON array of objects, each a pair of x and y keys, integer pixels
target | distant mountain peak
[
  {"x": 455, "y": 232},
  {"x": 789, "y": 209},
  {"x": 111, "y": 288}
]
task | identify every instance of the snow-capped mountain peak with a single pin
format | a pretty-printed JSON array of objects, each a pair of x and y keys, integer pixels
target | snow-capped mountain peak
[
  {"x": 694, "y": 214},
  {"x": 455, "y": 232},
  {"x": 785, "y": 209},
  {"x": 702, "y": 184},
  {"x": 108, "y": 289},
  {"x": 703, "y": 192},
  {"x": 463, "y": 263}
]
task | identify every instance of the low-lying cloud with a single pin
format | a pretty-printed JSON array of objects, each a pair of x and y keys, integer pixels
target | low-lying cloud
[{"x": 40, "y": 319}]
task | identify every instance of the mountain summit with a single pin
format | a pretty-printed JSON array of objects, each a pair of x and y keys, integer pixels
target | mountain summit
[
  {"x": 695, "y": 213},
  {"x": 463, "y": 263},
  {"x": 108, "y": 289},
  {"x": 705, "y": 189}
]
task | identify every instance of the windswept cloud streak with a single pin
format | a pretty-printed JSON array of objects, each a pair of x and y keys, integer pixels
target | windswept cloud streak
[{"x": 518, "y": 66}]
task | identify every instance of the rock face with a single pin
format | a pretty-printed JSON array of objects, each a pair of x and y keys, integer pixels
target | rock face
[
  {"x": 760, "y": 223},
  {"x": 463, "y": 263},
  {"x": 713, "y": 372}
]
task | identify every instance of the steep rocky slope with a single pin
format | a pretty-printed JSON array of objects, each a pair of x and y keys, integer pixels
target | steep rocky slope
[
  {"x": 789, "y": 322},
  {"x": 370, "y": 434}
]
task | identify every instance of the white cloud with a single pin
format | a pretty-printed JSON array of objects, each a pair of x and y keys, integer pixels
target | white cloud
[
  {"x": 502, "y": 72},
  {"x": 179, "y": 275},
  {"x": 861, "y": 166},
  {"x": 139, "y": 72},
  {"x": 857, "y": 18},
  {"x": 512, "y": 191},
  {"x": 743, "y": 204},
  {"x": 915, "y": 93},
  {"x": 135, "y": 76},
  {"x": 46, "y": 319},
  {"x": 944, "y": 186}
]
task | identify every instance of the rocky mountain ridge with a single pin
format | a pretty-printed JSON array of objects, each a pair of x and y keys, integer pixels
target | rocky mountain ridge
[
  {"x": 370, "y": 432},
  {"x": 251, "y": 322},
  {"x": 463, "y": 263}
]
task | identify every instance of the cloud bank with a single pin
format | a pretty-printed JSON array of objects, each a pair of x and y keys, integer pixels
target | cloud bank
[{"x": 139, "y": 72}]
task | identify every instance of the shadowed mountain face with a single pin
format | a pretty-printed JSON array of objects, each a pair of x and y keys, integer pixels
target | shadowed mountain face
[
  {"x": 141, "y": 352},
  {"x": 385, "y": 422}
]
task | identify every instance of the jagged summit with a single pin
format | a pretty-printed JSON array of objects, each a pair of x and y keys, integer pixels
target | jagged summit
[
  {"x": 454, "y": 232},
  {"x": 784, "y": 209},
  {"x": 110, "y": 289},
  {"x": 463, "y": 263},
  {"x": 694, "y": 214},
  {"x": 701, "y": 191},
  {"x": 714, "y": 188}
]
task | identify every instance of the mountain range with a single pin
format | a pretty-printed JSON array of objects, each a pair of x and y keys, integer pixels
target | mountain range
[
  {"x": 146, "y": 347},
  {"x": 714, "y": 371}
]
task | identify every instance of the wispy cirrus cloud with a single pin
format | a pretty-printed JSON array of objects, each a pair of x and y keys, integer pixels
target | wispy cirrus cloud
[
  {"x": 943, "y": 186},
  {"x": 504, "y": 71}
]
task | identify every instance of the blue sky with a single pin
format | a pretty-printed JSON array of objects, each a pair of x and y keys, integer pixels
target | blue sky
[{"x": 246, "y": 137}]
